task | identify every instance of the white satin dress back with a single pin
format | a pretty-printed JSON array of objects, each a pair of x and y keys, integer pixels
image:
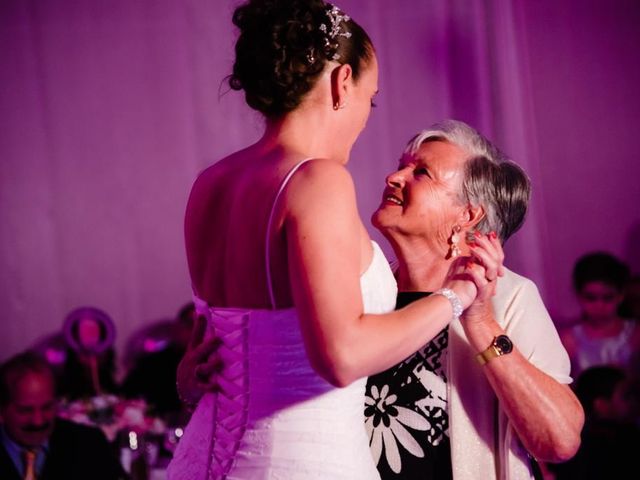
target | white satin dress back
[{"x": 274, "y": 416}]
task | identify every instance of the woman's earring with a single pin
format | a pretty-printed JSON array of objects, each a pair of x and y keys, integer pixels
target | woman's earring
[
  {"x": 454, "y": 251},
  {"x": 339, "y": 106}
]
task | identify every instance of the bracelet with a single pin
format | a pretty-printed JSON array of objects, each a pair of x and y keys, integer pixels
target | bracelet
[{"x": 456, "y": 304}]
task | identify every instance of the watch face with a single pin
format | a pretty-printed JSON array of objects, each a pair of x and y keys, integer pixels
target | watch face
[{"x": 504, "y": 344}]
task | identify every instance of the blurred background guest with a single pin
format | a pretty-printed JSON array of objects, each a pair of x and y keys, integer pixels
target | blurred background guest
[
  {"x": 90, "y": 363},
  {"x": 153, "y": 375},
  {"x": 34, "y": 443},
  {"x": 611, "y": 436},
  {"x": 600, "y": 336}
]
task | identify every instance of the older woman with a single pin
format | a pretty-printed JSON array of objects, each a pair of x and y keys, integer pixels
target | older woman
[{"x": 490, "y": 392}]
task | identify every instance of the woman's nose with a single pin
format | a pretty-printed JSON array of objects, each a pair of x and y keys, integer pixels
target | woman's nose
[{"x": 396, "y": 179}]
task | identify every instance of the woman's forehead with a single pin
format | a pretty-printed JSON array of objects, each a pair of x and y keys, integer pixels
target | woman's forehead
[{"x": 436, "y": 153}]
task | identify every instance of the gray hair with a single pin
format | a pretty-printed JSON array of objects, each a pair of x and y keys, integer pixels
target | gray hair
[{"x": 491, "y": 179}]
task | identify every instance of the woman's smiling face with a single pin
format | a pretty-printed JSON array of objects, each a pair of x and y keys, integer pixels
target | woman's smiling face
[{"x": 422, "y": 197}]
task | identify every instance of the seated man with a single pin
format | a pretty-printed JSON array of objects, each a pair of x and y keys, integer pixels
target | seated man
[{"x": 36, "y": 444}]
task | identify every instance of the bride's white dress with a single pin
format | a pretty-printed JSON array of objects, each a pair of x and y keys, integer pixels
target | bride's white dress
[{"x": 274, "y": 416}]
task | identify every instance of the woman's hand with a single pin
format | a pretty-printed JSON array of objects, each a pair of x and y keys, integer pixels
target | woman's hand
[
  {"x": 474, "y": 278},
  {"x": 484, "y": 268},
  {"x": 487, "y": 255},
  {"x": 195, "y": 373}
]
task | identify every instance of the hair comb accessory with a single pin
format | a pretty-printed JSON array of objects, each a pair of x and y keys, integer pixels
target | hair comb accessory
[{"x": 336, "y": 17}]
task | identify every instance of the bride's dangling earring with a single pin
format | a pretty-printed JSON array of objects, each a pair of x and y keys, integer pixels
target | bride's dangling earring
[{"x": 454, "y": 250}]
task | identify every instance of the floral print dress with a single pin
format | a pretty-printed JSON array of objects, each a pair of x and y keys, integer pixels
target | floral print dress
[{"x": 406, "y": 412}]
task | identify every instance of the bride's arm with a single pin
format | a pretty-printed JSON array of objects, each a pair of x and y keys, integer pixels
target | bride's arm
[{"x": 325, "y": 249}]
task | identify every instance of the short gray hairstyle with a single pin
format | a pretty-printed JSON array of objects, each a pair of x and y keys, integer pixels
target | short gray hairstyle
[{"x": 491, "y": 179}]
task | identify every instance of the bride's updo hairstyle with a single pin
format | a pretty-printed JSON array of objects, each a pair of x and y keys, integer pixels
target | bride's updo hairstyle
[{"x": 283, "y": 47}]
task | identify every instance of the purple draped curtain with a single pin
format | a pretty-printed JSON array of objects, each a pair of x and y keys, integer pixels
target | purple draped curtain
[{"x": 109, "y": 109}]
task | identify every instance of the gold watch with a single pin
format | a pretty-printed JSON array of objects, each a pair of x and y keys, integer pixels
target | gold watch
[{"x": 501, "y": 345}]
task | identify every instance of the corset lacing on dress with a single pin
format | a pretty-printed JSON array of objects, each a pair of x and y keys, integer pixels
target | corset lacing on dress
[{"x": 231, "y": 402}]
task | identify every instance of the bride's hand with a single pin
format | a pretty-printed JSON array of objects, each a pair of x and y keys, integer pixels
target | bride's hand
[
  {"x": 461, "y": 282},
  {"x": 195, "y": 373}
]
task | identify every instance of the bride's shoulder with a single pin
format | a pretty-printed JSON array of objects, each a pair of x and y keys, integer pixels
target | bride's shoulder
[
  {"x": 217, "y": 171},
  {"x": 323, "y": 172}
]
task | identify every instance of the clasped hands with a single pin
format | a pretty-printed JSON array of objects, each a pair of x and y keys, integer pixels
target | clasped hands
[{"x": 474, "y": 277}]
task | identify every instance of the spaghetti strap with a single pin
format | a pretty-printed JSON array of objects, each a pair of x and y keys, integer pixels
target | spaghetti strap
[{"x": 268, "y": 239}]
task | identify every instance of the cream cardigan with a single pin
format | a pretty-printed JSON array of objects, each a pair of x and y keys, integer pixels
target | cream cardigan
[{"x": 483, "y": 443}]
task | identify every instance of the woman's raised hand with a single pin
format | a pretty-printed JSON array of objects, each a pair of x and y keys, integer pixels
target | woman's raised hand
[
  {"x": 484, "y": 268},
  {"x": 195, "y": 373},
  {"x": 474, "y": 278},
  {"x": 485, "y": 265}
]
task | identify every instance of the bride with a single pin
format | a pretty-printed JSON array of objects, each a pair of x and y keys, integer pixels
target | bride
[{"x": 282, "y": 267}]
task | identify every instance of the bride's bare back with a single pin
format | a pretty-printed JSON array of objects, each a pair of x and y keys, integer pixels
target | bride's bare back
[{"x": 226, "y": 225}]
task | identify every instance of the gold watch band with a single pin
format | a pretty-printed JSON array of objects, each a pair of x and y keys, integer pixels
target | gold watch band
[
  {"x": 501, "y": 345},
  {"x": 488, "y": 354}
]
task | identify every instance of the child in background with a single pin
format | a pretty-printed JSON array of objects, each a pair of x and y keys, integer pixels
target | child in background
[{"x": 600, "y": 336}]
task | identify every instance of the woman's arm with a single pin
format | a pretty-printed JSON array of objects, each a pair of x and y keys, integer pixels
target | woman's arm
[{"x": 545, "y": 413}]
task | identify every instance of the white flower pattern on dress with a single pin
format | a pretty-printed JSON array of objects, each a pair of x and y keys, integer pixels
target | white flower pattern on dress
[{"x": 385, "y": 424}]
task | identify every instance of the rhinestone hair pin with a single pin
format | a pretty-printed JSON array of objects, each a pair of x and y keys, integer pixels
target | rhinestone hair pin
[{"x": 336, "y": 17}]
